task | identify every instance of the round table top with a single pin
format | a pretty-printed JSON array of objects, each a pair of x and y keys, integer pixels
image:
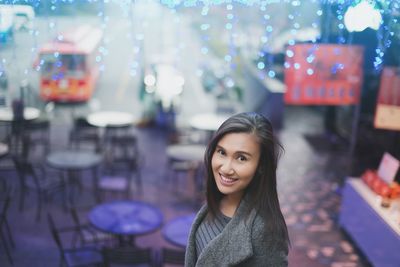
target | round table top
[
  {"x": 73, "y": 159},
  {"x": 3, "y": 149},
  {"x": 126, "y": 217},
  {"x": 30, "y": 113},
  {"x": 110, "y": 119},
  {"x": 177, "y": 230},
  {"x": 207, "y": 121},
  {"x": 186, "y": 152}
]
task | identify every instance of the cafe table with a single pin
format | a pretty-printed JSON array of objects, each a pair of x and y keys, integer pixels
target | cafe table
[
  {"x": 30, "y": 113},
  {"x": 177, "y": 230},
  {"x": 7, "y": 116},
  {"x": 3, "y": 149},
  {"x": 111, "y": 119},
  {"x": 126, "y": 219},
  {"x": 3, "y": 153},
  {"x": 207, "y": 121},
  {"x": 73, "y": 162},
  {"x": 186, "y": 152},
  {"x": 111, "y": 123}
]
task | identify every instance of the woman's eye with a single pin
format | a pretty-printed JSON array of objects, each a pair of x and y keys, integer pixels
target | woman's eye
[
  {"x": 242, "y": 158},
  {"x": 220, "y": 151}
]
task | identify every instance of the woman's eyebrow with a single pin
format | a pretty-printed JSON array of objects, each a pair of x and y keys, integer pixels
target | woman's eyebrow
[
  {"x": 236, "y": 152},
  {"x": 243, "y": 152}
]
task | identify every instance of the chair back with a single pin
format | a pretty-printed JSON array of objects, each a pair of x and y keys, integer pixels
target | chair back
[
  {"x": 172, "y": 256},
  {"x": 128, "y": 255},
  {"x": 124, "y": 152},
  {"x": 77, "y": 222},
  {"x": 6, "y": 205},
  {"x": 83, "y": 132},
  {"x": 25, "y": 172}
]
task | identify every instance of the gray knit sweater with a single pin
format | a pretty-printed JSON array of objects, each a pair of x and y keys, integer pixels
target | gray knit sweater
[{"x": 243, "y": 242}]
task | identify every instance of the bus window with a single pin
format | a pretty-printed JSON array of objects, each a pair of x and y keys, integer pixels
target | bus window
[{"x": 70, "y": 65}]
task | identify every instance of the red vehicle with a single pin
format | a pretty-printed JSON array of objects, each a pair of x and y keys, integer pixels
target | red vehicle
[{"x": 67, "y": 65}]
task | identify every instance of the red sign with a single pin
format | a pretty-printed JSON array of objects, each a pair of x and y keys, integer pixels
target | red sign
[
  {"x": 387, "y": 114},
  {"x": 323, "y": 74}
]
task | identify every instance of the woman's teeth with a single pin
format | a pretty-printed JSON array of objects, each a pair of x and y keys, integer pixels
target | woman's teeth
[{"x": 227, "y": 180}]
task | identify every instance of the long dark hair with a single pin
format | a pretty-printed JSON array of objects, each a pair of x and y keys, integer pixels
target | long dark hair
[{"x": 261, "y": 192}]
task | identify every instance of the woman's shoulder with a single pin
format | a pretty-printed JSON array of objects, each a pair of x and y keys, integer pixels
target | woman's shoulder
[{"x": 259, "y": 223}]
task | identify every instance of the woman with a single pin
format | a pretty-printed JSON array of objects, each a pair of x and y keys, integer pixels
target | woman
[{"x": 241, "y": 224}]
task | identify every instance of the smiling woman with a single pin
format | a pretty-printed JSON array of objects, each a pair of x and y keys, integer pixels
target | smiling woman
[{"x": 242, "y": 223}]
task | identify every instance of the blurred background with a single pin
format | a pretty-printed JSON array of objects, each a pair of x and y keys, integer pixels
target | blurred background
[{"x": 112, "y": 102}]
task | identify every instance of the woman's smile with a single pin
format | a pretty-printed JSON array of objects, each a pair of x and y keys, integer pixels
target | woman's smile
[{"x": 227, "y": 181}]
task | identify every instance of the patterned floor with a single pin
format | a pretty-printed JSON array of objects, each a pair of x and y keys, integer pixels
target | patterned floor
[{"x": 310, "y": 176}]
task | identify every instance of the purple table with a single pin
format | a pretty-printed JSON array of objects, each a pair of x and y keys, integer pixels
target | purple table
[
  {"x": 177, "y": 230},
  {"x": 126, "y": 218}
]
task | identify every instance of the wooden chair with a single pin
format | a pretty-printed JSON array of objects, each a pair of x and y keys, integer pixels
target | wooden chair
[
  {"x": 129, "y": 255},
  {"x": 37, "y": 179},
  {"x": 73, "y": 257}
]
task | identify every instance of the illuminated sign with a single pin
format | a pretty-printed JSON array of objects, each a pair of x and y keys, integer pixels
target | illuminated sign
[
  {"x": 387, "y": 114},
  {"x": 323, "y": 74}
]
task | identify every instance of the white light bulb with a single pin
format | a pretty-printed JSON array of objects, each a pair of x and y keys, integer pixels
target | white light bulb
[{"x": 362, "y": 16}]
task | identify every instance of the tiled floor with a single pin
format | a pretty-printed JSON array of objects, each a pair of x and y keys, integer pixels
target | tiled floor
[{"x": 310, "y": 175}]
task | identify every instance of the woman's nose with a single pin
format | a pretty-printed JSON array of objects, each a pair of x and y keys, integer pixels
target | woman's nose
[{"x": 226, "y": 166}]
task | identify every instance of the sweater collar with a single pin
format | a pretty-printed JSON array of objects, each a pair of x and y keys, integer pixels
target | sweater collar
[{"x": 233, "y": 245}]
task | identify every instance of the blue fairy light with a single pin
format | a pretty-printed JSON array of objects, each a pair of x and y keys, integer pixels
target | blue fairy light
[
  {"x": 310, "y": 58},
  {"x": 204, "y": 50},
  {"x": 228, "y": 58},
  {"x": 264, "y": 39},
  {"x": 204, "y": 11},
  {"x": 204, "y": 26},
  {"x": 260, "y": 65},
  {"x": 271, "y": 74},
  {"x": 289, "y": 53},
  {"x": 296, "y": 3}
]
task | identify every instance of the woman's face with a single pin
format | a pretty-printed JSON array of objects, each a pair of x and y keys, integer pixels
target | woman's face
[{"x": 234, "y": 162}]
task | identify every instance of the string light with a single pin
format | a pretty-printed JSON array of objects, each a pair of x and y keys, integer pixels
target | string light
[{"x": 265, "y": 59}]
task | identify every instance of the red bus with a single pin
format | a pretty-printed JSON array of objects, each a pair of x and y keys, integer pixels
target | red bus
[{"x": 68, "y": 67}]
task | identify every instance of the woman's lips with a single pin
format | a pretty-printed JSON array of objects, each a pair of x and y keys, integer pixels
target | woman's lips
[{"x": 227, "y": 181}]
